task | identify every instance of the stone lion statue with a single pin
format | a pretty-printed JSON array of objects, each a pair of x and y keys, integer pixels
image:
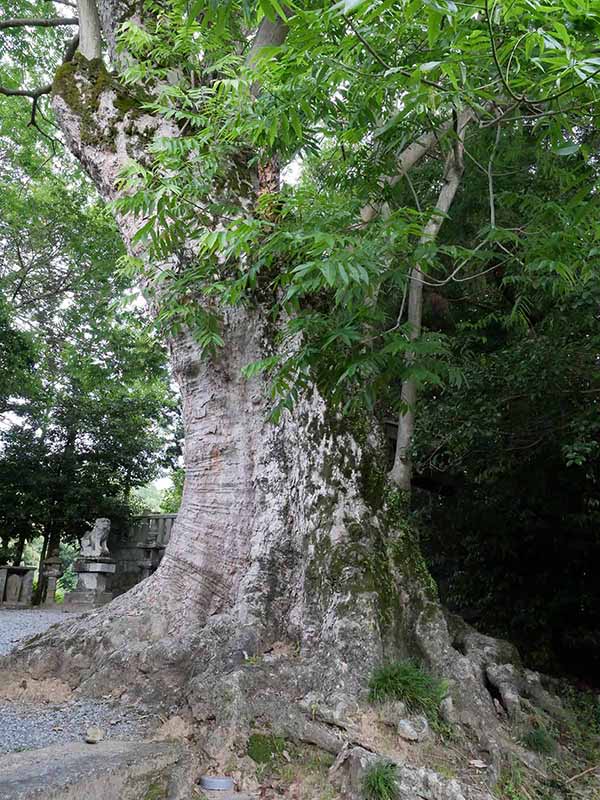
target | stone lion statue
[{"x": 94, "y": 542}]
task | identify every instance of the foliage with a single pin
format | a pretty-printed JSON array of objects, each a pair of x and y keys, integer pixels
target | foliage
[
  {"x": 145, "y": 500},
  {"x": 512, "y": 453},
  {"x": 539, "y": 740},
  {"x": 380, "y": 781},
  {"x": 171, "y": 498},
  {"x": 352, "y": 85},
  {"x": 68, "y": 580},
  {"x": 408, "y": 682},
  {"x": 16, "y": 357}
]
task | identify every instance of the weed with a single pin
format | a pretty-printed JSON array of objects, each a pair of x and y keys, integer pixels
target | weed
[
  {"x": 380, "y": 782},
  {"x": 539, "y": 740},
  {"x": 406, "y": 681},
  {"x": 510, "y": 783}
]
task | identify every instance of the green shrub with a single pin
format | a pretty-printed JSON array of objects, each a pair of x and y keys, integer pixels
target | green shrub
[
  {"x": 379, "y": 782},
  {"x": 539, "y": 740},
  {"x": 406, "y": 681}
]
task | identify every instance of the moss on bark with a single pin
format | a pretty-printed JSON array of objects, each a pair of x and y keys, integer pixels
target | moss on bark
[{"x": 81, "y": 84}]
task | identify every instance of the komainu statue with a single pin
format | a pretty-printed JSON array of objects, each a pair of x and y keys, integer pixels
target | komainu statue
[{"x": 94, "y": 543}]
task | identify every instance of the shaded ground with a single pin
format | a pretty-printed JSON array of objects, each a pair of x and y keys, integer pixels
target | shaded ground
[{"x": 25, "y": 726}]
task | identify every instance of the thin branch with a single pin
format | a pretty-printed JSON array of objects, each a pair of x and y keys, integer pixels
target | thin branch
[
  {"x": 401, "y": 472},
  {"x": 495, "y": 54},
  {"x": 414, "y": 193},
  {"x": 269, "y": 34},
  {"x": 366, "y": 44},
  {"x": 533, "y": 117},
  {"x": 490, "y": 174},
  {"x": 406, "y": 72},
  {"x": 37, "y": 22},
  {"x": 407, "y": 159},
  {"x": 576, "y": 85},
  {"x": 581, "y": 774},
  {"x": 33, "y": 93}
]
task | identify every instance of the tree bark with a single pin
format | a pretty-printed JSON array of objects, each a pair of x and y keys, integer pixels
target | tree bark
[{"x": 90, "y": 42}]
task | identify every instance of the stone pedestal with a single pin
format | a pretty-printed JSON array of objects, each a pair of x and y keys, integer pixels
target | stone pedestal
[
  {"x": 152, "y": 553},
  {"x": 93, "y": 575},
  {"x": 52, "y": 569},
  {"x": 16, "y": 585}
]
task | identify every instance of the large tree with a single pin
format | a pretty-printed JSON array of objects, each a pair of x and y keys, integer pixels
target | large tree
[{"x": 291, "y": 543}]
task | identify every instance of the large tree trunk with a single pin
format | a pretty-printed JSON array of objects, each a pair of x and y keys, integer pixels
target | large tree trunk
[{"x": 292, "y": 570}]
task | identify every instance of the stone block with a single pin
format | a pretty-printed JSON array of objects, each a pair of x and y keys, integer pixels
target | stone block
[
  {"x": 109, "y": 770},
  {"x": 84, "y": 566},
  {"x": 13, "y": 588},
  {"x": 27, "y": 587}
]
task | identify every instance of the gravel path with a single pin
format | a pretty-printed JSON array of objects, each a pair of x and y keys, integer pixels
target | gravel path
[
  {"x": 18, "y": 624},
  {"x": 26, "y": 726}
]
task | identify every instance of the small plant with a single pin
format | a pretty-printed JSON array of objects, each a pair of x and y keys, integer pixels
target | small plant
[
  {"x": 379, "y": 782},
  {"x": 510, "y": 783},
  {"x": 264, "y": 749},
  {"x": 406, "y": 681},
  {"x": 540, "y": 741}
]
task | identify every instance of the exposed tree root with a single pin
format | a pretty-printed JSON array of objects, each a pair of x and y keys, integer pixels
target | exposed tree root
[{"x": 139, "y": 647}]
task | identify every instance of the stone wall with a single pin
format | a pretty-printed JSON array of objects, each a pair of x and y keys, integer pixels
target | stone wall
[{"x": 138, "y": 551}]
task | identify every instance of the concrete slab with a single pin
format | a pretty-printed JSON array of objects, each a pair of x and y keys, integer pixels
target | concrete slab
[{"x": 109, "y": 770}]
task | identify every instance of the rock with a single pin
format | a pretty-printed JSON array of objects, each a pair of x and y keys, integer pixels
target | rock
[
  {"x": 506, "y": 679},
  {"x": 111, "y": 770},
  {"x": 94, "y": 735},
  {"x": 348, "y": 771},
  {"x": 336, "y": 709},
  {"x": 421, "y": 725},
  {"x": 478, "y": 763},
  {"x": 407, "y": 731},
  {"x": 392, "y": 712},
  {"x": 447, "y": 711},
  {"x": 347, "y": 774}
]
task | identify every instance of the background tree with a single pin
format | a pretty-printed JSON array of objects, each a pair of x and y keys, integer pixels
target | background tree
[{"x": 89, "y": 411}]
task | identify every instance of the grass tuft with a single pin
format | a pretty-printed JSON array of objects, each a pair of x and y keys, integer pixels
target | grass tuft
[
  {"x": 540, "y": 741},
  {"x": 379, "y": 782},
  {"x": 406, "y": 681}
]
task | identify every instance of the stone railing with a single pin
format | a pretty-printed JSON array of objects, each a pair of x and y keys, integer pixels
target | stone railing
[
  {"x": 159, "y": 525},
  {"x": 138, "y": 553}
]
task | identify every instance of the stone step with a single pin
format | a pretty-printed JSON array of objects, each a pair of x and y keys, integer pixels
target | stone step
[{"x": 110, "y": 770}]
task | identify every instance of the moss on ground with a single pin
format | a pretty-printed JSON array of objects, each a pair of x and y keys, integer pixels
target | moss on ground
[
  {"x": 265, "y": 748},
  {"x": 155, "y": 791}
]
